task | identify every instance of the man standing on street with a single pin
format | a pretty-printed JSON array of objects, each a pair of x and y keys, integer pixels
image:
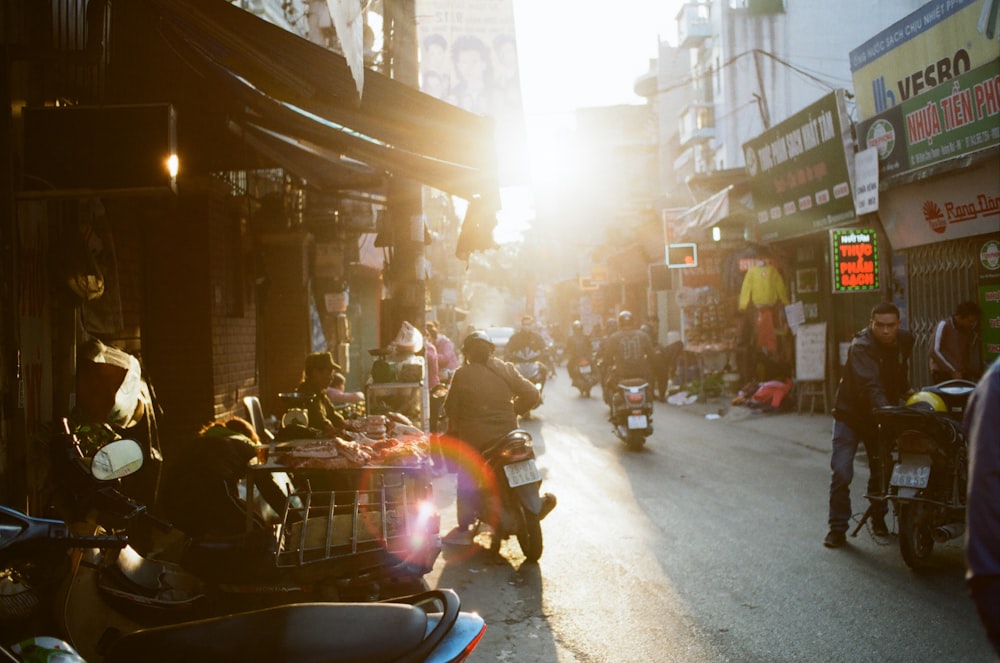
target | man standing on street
[
  {"x": 953, "y": 353},
  {"x": 876, "y": 375}
]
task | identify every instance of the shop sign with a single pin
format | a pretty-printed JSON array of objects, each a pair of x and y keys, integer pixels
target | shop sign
[
  {"x": 965, "y": 203},
  {"x": 800, "y": 171},
  {"x": 953, "y": 119},
  {"x": 934, "y": 44},
  {"x": 855, "y": 260},
  {"x": 680, "y": 256},
  {"x": 988, "y": 273}
]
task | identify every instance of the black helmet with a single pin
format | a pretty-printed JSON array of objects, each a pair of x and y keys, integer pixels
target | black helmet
[
  {"x": 476, "y": 337},
  {"x": 624, "y": 318}
]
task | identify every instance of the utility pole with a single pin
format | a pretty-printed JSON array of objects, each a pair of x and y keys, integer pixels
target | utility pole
[{"x": 404, "y": 276}]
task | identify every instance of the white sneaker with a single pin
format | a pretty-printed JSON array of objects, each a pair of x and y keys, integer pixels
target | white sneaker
[{"x": 460, "y": 536}]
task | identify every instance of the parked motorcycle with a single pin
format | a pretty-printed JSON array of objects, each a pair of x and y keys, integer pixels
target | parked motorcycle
[
  {"x": 928, "y": 450},
  {"x": 515, "y": 507},
  {"x": 373, "y": 535},
  {"x": 584, "y": 377},
  {"x": 429, "y": 626},
  {"x": 632, "y": 412}
]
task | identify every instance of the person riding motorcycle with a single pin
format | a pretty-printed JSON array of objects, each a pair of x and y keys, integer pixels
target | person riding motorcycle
[
  {"x": 628, "y": 353},
  {"x": 484, "y": 400},
  {"x": 578, "y": 345},
  {"x": 526, "y": 338}
]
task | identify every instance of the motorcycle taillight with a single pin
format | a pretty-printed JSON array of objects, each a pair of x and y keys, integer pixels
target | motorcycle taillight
[
  {"x": 634, "y": 397},
  {"x": 517, "y": 452},
  {"x": 915, "y": 442}
]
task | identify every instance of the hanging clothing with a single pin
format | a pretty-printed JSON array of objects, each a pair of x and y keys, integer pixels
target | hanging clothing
[{"x": 763, "y": 285}]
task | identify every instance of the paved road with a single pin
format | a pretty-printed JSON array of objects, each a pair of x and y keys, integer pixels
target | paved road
[{"x": 707, "y": 546}]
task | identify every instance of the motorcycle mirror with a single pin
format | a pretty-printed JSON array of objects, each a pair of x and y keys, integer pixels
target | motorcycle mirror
[{"x": 116, "y": 460}]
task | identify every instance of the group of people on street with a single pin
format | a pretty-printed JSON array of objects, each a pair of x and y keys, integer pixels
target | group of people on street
[
  {"x": 877, "y": 374},
  {"x": 487, "y": 395}
]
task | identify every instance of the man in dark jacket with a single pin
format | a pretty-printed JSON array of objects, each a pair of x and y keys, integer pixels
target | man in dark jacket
[
  {"x": 484, "y": 399},
  {"x": 876, "y": 375},
  {"x": 628, "y": 353}
]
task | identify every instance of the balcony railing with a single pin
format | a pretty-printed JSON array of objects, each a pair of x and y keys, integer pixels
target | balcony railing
[{"x": 694, "y": 25}]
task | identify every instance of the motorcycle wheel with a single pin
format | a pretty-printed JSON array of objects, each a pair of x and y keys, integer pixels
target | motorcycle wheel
[
  {"x": 635, "y": 441},
  {"x": 529, "y": 535},
  {"x": 915, "y": 542}
]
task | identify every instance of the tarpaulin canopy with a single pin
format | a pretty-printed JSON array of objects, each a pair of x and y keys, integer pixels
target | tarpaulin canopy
[
  {"x": 720, "y": 206},
  {"x": 300, "y": 104}
]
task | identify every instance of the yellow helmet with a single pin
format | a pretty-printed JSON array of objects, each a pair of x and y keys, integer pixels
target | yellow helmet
[{"x": 927, "y": 400}]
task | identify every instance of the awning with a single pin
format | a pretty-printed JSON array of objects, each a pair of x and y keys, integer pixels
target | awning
[
  {"x": 295, "y": 97},
  {"x": 692, "y": 224}
]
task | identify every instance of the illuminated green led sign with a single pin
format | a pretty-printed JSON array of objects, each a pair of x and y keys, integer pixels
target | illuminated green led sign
[{"x": 855, "y": 260}]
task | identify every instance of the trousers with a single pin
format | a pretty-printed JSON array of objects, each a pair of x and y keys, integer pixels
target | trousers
[{"x": 845, "y": 447}]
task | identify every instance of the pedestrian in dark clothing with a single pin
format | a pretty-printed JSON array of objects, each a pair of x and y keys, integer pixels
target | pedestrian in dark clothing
[
  {"x": 982, "y": 542},
  {"x": 953, "y": 351},
  {"x": 876, "y": 375}
]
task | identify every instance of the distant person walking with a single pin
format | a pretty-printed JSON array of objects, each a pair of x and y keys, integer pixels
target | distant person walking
[{"x": 954, "y": 354}]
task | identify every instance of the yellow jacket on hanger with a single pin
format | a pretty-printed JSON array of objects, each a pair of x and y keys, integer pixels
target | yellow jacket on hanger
[{"x": 763, "y": 286}]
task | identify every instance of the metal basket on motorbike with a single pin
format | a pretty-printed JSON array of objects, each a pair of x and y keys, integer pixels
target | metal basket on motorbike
[{"x": 383, "y": 521}]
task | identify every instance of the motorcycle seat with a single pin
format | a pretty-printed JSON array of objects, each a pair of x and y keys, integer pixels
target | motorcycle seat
[{"x": 347, "y": 632}]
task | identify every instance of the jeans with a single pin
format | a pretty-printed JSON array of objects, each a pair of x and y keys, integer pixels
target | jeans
[{"x": 845, "y": 446}]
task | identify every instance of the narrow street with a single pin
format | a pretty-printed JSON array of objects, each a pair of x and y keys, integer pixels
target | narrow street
[{"x": 706, "y": 546}]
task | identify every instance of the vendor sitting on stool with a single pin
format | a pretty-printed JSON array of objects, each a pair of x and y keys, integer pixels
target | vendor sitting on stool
[{"x": 317, "y": 377}]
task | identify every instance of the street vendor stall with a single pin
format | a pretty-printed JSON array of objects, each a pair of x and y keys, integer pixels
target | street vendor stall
[{"x": 360, "y": 505}]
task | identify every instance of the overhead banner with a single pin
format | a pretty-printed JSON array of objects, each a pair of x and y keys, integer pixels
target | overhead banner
[
  {"x": 801, "y": 171},
  {"x": 964, "y": 204},
  {"x": 468, "y": 57},
  {"x": 951, "y": 120},
  {"x": 934, "y": 44}
]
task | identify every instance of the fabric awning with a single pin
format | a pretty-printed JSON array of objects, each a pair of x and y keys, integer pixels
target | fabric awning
[
  {"x": 697, "y": 220},
  {"x": 293, "y": 94}
]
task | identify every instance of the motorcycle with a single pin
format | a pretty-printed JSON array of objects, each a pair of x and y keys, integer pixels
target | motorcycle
[
  {"x": 515, "y": 507},
  {"x": 374, "y": 535},
  {"x": 530, "y": 365},
  {"x": 927, "y": 447},
  {"x": 34, "y": 560},
  {"x": 584, "y": 378},
  {"x": 632, "y": 412},
  {"x": 429, "y": 626}
]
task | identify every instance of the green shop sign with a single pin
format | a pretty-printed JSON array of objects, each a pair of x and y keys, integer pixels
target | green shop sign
[
  {"x": 959, "y": 117},
  {"x": 855, "y": 260},
  {"x": 799, "y": 172}
]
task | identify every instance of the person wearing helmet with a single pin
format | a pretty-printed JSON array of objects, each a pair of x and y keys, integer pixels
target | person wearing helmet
[
  {"x": 628, "y": 353},
  {"x": 982, "y": 541},
  {"x": 484, "y": 400},
  {"x": 876, "y": 375},
  {"x": 578, "y": 346}
]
